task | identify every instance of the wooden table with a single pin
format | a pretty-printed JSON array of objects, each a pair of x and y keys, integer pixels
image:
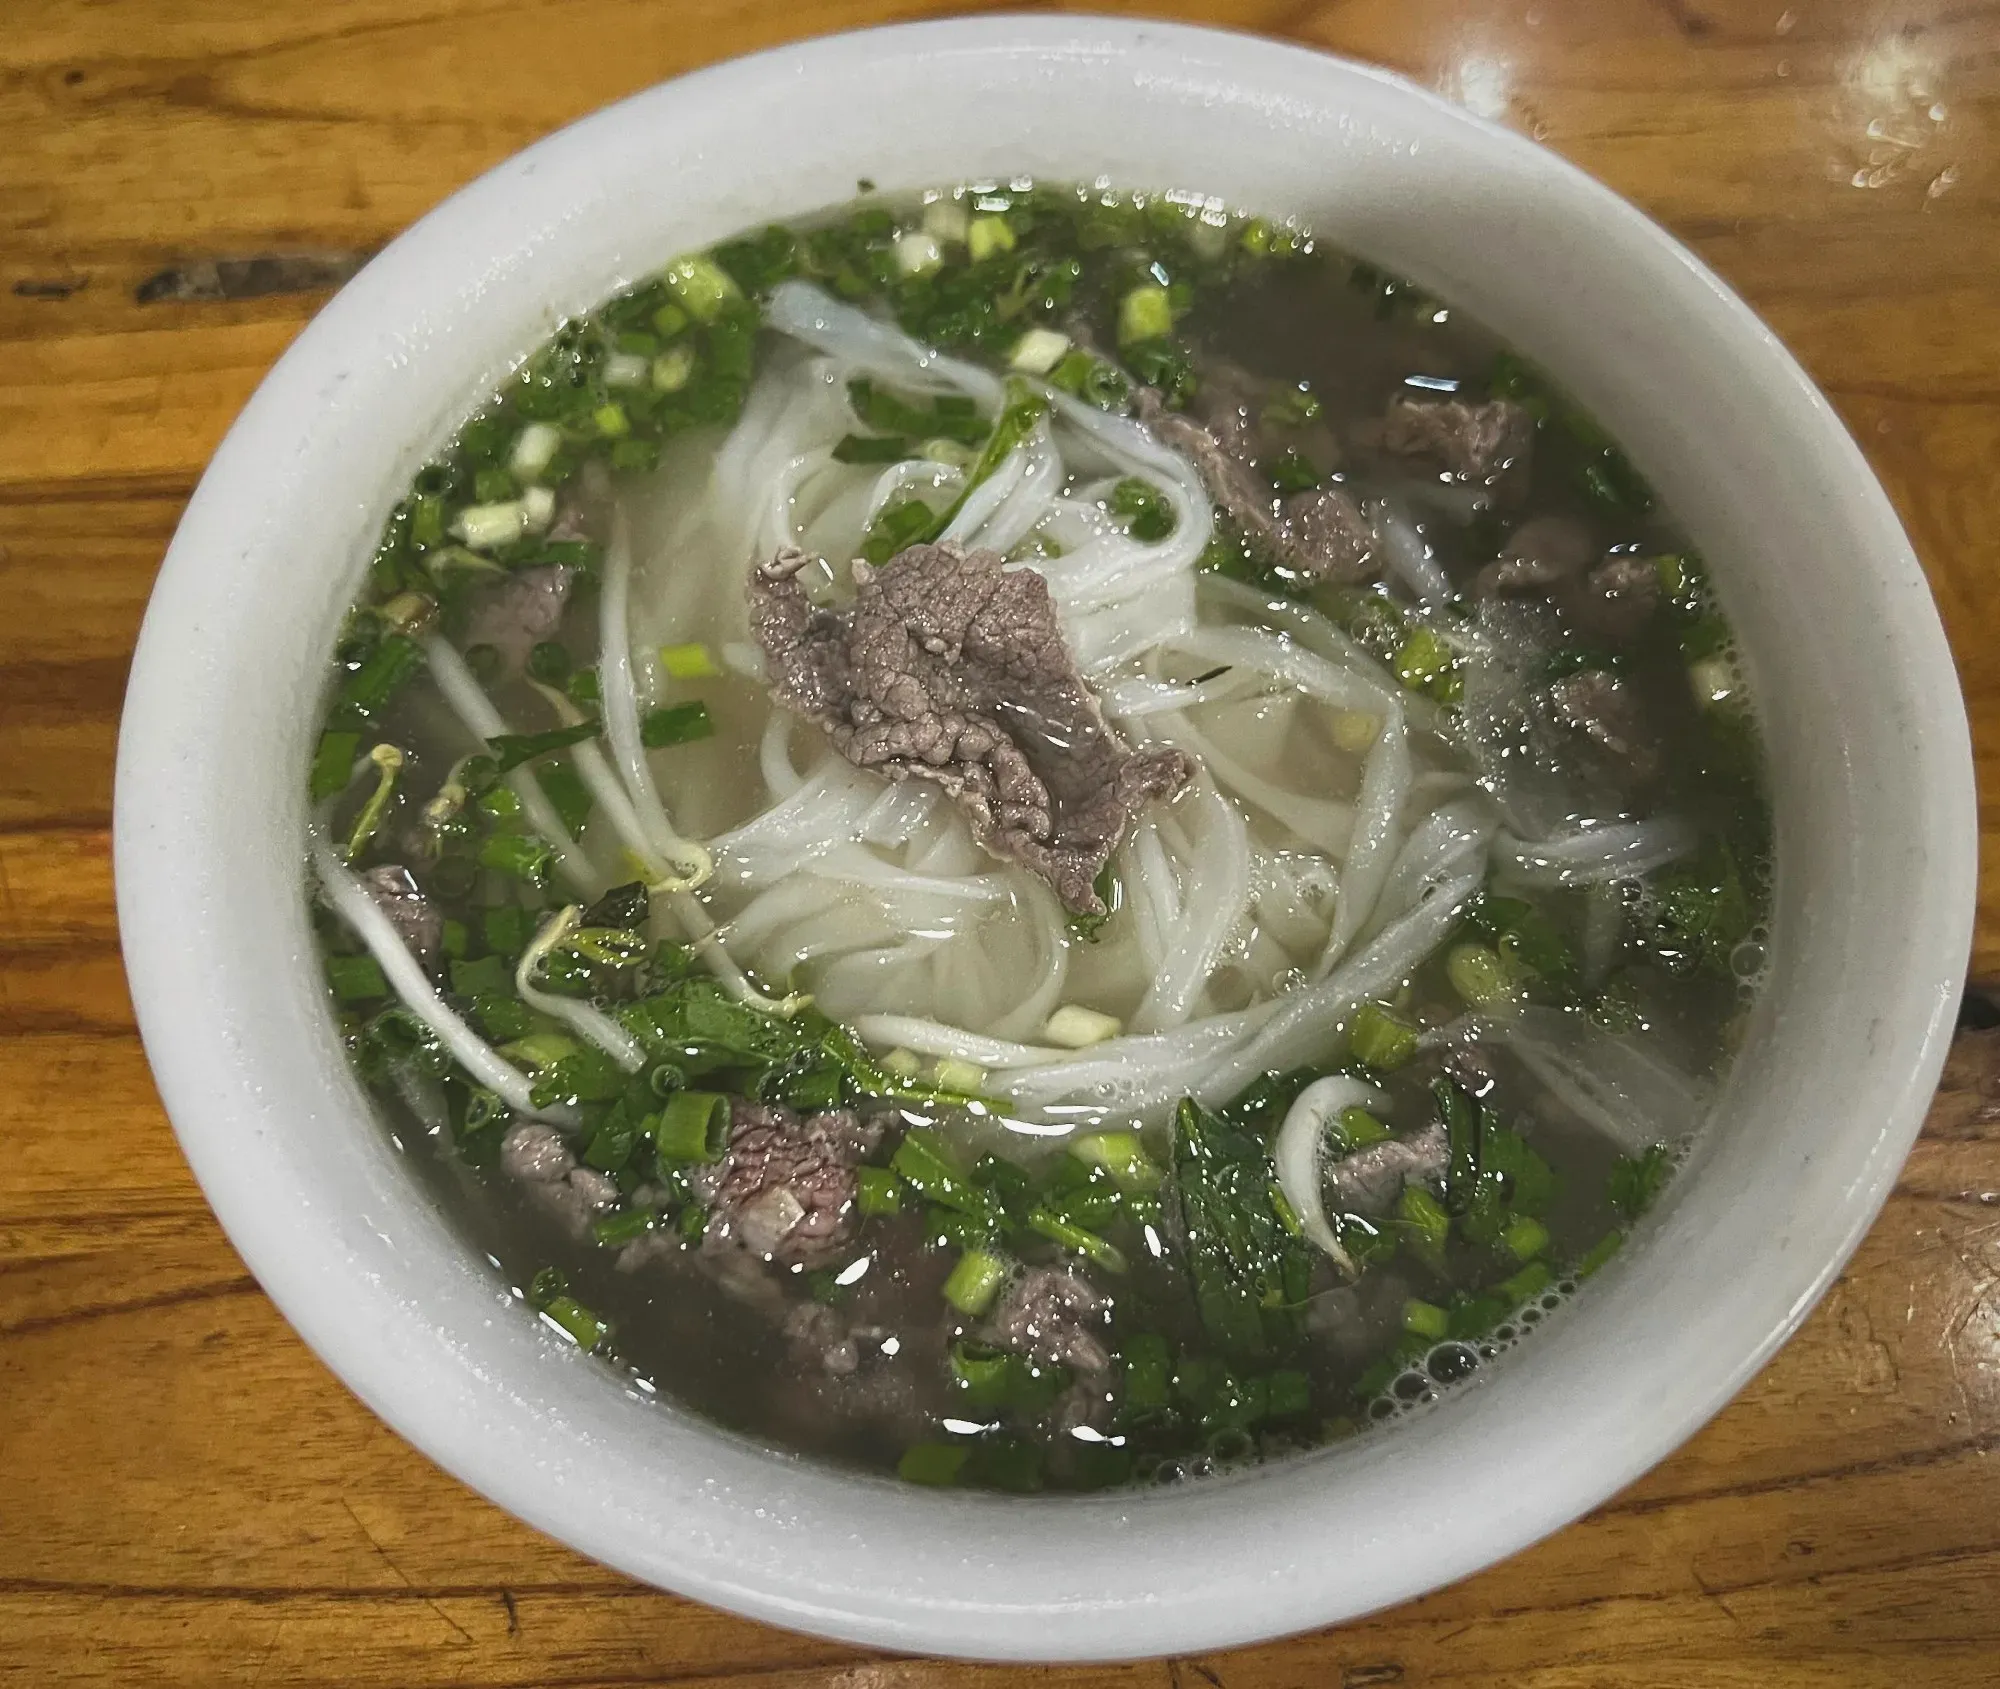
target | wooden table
[{"x": 187, "y": 1498}]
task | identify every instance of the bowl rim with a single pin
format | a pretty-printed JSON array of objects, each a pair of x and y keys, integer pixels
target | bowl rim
[{"x": 149, "y": 879}]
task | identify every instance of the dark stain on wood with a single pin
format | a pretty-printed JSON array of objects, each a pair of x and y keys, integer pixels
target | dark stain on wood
[
  {"x": 1687, "y": 20},
  {"x": 50, "y": 287},
  {"x": 249, "y": 278}
]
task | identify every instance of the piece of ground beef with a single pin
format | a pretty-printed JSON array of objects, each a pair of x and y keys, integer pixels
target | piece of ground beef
[
  {"x": 784, "y": 1189},
  {"x": 951, "y": 668},
  {"x": 516, "y": 614},
  {"x": 1054, "y": 1316},
  {"x": 1489, "y": 445},
  {"x": 417, "y": 922}
]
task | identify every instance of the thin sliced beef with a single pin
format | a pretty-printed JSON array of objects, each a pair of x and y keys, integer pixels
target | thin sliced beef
[
  {"x": 516, "y": 614},
  {"x": 1370, "y": 1180},
  {"x": 950, "y": 668},
  {"x": 1489, "y": 445},
  {"x": 1054, "y": 1316},
  {"x": 784, "y": 1189},
  {"x": 1320, "y": 534},
  {"x": 397, "y": 894}
]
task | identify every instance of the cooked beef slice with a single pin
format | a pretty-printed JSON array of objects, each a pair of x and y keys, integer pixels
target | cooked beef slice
[
  {"x": 784, "y": 1189},
  {"x": 1550, "y": 555},
  {"x": 1320, "y": 534},
  {"x": 516, "y": 614},
  {"x": 1540, "y": 556},
  {"x": 1054, "y": 1316},
  {"x": 1370, "y": 1180},
  {"x": 949, "y": 667},
  {"x": 418, "y": 924},
  {"x": 1617, "y": 598},
  {"x": 1488, "y": 445},
  {"x": 1604, "y": 712},
  {"x": 540, "y": 1159}
]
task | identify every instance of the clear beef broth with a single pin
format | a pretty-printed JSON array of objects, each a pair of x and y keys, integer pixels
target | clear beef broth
[{"x": 887, "y": 1226}]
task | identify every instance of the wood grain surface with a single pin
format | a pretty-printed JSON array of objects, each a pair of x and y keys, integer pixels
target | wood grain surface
[{"x": 188, "y": 1498}]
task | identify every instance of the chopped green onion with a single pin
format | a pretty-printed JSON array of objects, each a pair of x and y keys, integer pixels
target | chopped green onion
[
  {"x": 535, "y": 449},
  {"x": 520, "y": 854},
  {"x": 1148, "y": 1373},
  {"x": 487, "y": 527},
  {"x": 611, "y": 421},
  {"x": 1600, "y": 1252},
  {"x": 701, "y": 285},
  {"x": 1150, "y": 516},
  {"x": 974, "y": 1282},
  {"x": 693, "y": 661},
  {"x": 673, "y": 368},
  {"x": 367, "y": 691},
  {"x": 1380, "y": 1039},
  {"x": 964, "y": 1077},
  {"x": 872, "y": 448},
  {"x": 625, "y": 1226},
  {"x": 675, "y": 724},
  {"x": 877, "y": 1190},
  {"x": 1077, "y": 1028},
  {"x": 575, "y": 1321},
  {"x": 1122, "y": 1156},
  {"x": 1360, "y": 1128},
  {"x": 987, "y": 236},
  {"x": 693, "y": 1126},
  {"x": 903, "y": 1064},
  {"x": 1422, "y": 661},
  {"x": 1529, "y": 1282},
  {"x": 932, "y": 1172},
  {"x": 1425, "y": 1319},
  {"x": 1038, "y": 351},
  {"x": 511, "y": 750},
  {"x": 1479, "y": 976},
  {"x": 1427, "y": 1223},
  {"x": 1146, "y": 313},
  {"x": 355, "y": 979},
  {"x": 333, "y": 764},
  {"x": 507, "y": 930},
  {"x": 946, "y": 220},
  {"x": 917, "y": 253},
  {"x": 1524, "y": 1237},
  {"x": 1058, "y": 1230}
]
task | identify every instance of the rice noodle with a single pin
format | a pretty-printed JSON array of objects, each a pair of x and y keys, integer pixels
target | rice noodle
[
  {"x": 1622, "y": 851},
  {"x": 1215, "y": 898},
  {"x": 675, "y": 863},
  {"x": 866, "y": 343}
]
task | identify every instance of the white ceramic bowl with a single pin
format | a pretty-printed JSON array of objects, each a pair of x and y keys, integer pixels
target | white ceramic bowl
[{"x": 1873, "y": 793}]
